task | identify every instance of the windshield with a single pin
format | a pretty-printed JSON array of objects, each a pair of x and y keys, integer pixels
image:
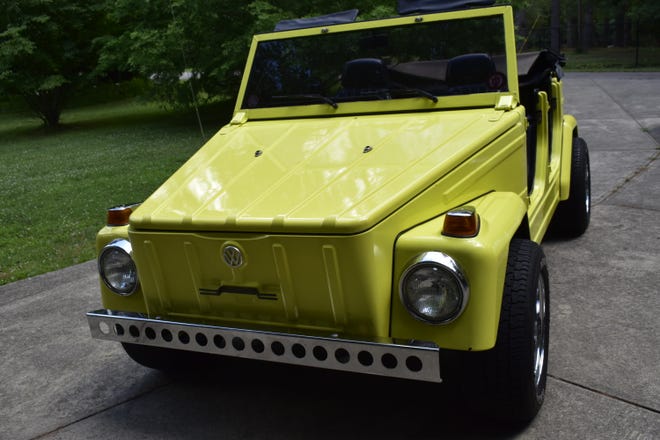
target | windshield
[{"x": 426, "y": 60}]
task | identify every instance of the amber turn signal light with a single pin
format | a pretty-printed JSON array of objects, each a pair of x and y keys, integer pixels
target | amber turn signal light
[
  {"x": 461, "y": 222},
  {"x": 118, "y": 215}
]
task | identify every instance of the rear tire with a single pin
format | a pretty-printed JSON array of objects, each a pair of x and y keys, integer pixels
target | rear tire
[{"x": 573, "y": 214}]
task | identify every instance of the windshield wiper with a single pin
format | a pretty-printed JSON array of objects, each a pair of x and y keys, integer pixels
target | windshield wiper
[
  {"x": 418, "y": 92},
  {"x": 314, "y": 97}
]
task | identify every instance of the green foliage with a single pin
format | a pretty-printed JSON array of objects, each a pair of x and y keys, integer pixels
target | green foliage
[
  {"x": 646, "y": 13},
  {"x": 643, "y": 9},
  {"x": 207, "y": 40},
  {"x": 46, "y": 51},
  {"x": 193, "y": 51}
]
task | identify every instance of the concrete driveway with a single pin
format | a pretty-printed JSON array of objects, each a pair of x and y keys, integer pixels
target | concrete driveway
[{"x": 58, "y": 383}]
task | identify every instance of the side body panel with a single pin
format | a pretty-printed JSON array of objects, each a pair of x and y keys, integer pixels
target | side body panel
[{"x": 553, "y": 160}]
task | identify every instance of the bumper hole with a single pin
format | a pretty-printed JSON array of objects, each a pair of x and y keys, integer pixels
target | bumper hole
[
  {"x": 150, "y": 333},
  {"x": 166, "y": 335},
  {"x": 414, "y": 364},
  {"x": 389, "y": 361},
  {"x": 134, "y": 331},
  {"x": 342, "y": 356},
  {"x": 104, "y": 327},
  {"x": 119, "y": 330},
  {"x": 298, "y": 351},
  {"x": 257, "y": 346},
  {"x": 238, "y": 343},
  {"x": 365, "y": 358},
  {"x": 184, "y": 337},
  {"x": 320, "y": 353},
  {"x": 219, "y": 341},
  {"x": 201, "y": 339},
  {"x": 277, "y": 348}
]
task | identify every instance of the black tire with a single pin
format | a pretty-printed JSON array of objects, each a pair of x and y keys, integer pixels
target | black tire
[
  {"x": 572, "y": 216},
  {"x": 520, "y": 356},
  {"x": 167, "y": 360},
  {"x": 507, "y": 383}
]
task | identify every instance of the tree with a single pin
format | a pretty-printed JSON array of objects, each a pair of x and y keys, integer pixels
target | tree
[
  {"x": 178, "y": 44},
  {"x": 195, "y": 50},
  {"x": 46, "y": 51}
]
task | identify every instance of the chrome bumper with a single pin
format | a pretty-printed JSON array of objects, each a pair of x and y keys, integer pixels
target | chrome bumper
[{"x": 359, "y": 356}]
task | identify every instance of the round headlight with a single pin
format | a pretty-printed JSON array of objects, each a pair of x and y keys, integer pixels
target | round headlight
[
  {"x": 434, "y": 289},
  {"x": 117, "y": 268}
]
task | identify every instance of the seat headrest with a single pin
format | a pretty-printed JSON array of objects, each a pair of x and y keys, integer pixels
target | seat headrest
[
  {"x": 364, "y": 73},
  {"x": 471, "y": 68}
]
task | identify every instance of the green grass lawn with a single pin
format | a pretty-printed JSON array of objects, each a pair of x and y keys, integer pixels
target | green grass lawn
[
  {"x": 614, "y": 59},
  {"x": 55, "y": 187}
]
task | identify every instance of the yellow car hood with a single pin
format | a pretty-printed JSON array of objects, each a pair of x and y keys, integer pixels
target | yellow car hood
[{"x": 321, "y": 175}]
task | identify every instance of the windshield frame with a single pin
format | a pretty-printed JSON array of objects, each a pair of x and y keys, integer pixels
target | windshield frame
[{"x": 417, "y": 103}]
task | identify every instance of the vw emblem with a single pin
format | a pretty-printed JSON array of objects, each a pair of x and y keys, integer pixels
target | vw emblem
[{"x": 232, "y": 256}]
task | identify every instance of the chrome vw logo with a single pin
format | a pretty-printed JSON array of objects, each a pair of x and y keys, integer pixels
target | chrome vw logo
[{"x": 232, "y": 256}]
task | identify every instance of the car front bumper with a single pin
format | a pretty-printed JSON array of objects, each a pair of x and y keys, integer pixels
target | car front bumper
[{"x": 384, "y": 358}]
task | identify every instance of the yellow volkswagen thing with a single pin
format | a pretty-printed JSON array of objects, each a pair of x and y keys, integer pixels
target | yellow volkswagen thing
[{"x": 375, "y": 205}]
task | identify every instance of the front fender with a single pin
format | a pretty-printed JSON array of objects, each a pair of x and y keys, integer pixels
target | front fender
[
  {"x": 134, "y": 302},
  {"x": 482, "y": 258}
]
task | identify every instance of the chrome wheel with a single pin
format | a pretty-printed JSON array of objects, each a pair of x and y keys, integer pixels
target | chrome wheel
[
  {"x": 539, "y": 334},
  {"x": 587, "y": 192}
]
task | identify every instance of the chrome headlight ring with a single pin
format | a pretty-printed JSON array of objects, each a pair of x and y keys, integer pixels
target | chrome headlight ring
[
  {"x": 434, "y": 289},
  {"x": 117, "y": 268}
]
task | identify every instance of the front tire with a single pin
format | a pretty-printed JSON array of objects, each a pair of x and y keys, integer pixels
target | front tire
[
  {"x": 167, "y": 360},
  {"x": 507, "y": 383},
  {"x": 520, "y": 356}
]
